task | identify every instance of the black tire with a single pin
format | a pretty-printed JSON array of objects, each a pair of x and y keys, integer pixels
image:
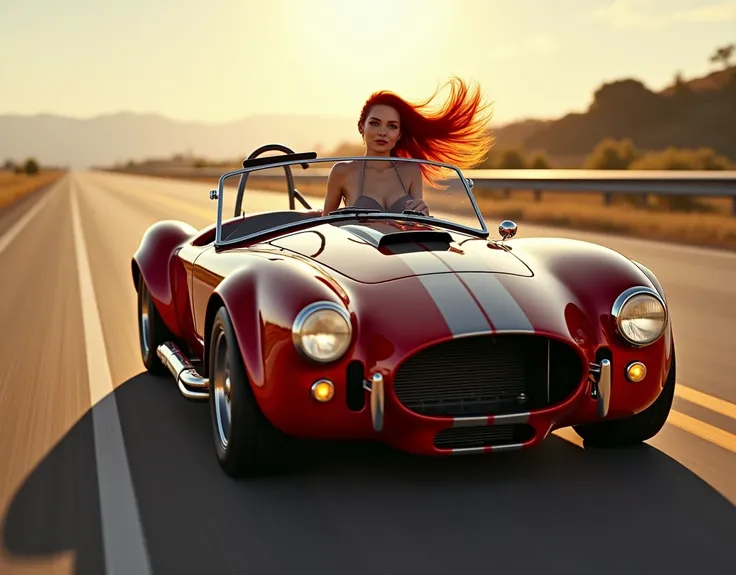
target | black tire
[
  {"x": 638, "y": 428},
  {"x": 152, "y": 331},
  {"x": 246, "y": 443}
]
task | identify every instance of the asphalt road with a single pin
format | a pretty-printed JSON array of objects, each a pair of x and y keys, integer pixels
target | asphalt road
[{"x": 91, "y": 478}]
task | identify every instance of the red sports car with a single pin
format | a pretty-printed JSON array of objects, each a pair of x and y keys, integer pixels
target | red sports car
[{"x": 394, "y": 325}]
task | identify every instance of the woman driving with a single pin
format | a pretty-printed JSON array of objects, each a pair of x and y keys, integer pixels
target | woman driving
[{"x": 390, "y": 126}]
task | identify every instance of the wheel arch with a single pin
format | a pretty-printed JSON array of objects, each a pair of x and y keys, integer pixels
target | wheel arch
[{"x": 153, "y": 262}]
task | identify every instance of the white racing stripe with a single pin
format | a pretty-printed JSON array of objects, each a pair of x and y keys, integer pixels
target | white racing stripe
[
  {"x": 499, "y": 304},
  {"x": 420, "y": 260},
  {"x": 460, "y": 312},
  {"x": 122, "y": 533},
  {"x": 455, "y": 298}
]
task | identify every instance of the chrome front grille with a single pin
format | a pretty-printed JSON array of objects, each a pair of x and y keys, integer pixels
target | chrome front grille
[{"x": 488, "y": 375}]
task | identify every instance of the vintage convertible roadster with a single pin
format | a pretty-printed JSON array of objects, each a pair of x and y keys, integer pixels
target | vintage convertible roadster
[{"x": 415, "y": 330}]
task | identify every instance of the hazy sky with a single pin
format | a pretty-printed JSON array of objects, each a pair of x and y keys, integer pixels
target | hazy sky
[{"x": 219, "y": 60}]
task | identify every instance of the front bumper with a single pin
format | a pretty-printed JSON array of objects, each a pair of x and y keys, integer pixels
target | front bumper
[
  {"x": 598, "y": 390},
  {"x": 423, "y": 435}
]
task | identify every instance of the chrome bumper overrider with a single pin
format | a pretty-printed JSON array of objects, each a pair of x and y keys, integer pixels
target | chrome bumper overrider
[
  {"x": 602, "y": 385},
  {"x": 375, "y": 387},
  {"x": 191, "y": 384}
]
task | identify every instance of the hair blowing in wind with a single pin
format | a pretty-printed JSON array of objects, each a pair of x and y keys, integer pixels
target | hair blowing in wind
[{"x": 455, "y": 133}]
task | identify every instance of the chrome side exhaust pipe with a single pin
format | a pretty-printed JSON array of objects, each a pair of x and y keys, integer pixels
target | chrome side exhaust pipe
[{"x": 191, "y": 384}]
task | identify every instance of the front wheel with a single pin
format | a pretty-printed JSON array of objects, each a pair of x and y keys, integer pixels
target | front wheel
[
  {"x": 245, "y": 441},
  {"x": 637, "y": 428},
  {"x": 152, "y": 331}
]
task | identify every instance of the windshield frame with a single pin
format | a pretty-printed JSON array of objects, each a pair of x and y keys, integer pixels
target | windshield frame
[{"x": 481, "y": 232}]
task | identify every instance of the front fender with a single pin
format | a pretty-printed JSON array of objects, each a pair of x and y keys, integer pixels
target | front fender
[
  {"x": 589, "y": 275},
  {"x": 153, "y": 262},
  {"x": 587, "y": 278},
  {"x": 263, "y": 301}
]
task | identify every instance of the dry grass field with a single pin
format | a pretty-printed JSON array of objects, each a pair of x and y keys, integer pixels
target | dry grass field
[
  {"x": 714, "y": 226},
  {"x": 15, "y": 186}
]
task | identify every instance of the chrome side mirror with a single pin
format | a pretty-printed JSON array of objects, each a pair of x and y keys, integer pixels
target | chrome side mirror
[
  {"x": 213, "y": 194},
  {"x": 507, "y": 229},
  {"x": 470, "y": 183}
]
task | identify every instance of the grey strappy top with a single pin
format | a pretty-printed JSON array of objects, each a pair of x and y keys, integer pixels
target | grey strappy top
[{"x": 364, "y": 201}]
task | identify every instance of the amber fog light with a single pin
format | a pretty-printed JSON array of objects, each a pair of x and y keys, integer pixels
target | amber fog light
[
  {"x": 636, "y": 371},
  {"x": 323, "y": 390}
]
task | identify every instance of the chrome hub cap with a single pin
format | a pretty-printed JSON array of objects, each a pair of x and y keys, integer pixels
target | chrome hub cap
[
  {"x": 221, "y": 390},
  {"x": 144, "y": 319}
]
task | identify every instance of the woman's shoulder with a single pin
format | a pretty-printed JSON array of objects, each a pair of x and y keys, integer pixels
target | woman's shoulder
[{"x": 343, "y": 168}]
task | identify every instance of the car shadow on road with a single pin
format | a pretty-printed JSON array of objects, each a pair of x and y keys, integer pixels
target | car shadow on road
[{"x": 368, "y": 509}]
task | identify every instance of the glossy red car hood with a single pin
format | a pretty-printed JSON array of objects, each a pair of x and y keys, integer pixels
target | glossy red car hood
[{"x": 379, "y": 251}]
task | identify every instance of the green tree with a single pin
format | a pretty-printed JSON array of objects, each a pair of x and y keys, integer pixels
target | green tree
[
  {"x": 612, "y": 154},
  {"x": 31, "y": 167},
  {"x": 723, "y": 55},
  {"x": 682, "y": 159},
  {"x": 512, "y": 160},
  {"x": 540, "y": 161}
]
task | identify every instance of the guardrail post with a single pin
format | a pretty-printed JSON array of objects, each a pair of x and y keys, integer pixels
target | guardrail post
[
  {"x": 607, "y": 198},
  {"x": 537, "y": 195},
  {"x": 733, "y": 206}
]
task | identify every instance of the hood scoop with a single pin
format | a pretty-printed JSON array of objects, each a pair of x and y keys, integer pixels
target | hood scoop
[{"x": 393, "y": 236}]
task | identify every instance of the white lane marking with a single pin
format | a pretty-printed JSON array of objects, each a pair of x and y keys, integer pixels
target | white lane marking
[
  {"x": 122, "y": 533},
  {"x": 24, "y": 220}
]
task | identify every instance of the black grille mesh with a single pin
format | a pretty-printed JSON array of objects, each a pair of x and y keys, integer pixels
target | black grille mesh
[
  {"x": 494, "y": 435},
  {"x": 487, "y": 375}
]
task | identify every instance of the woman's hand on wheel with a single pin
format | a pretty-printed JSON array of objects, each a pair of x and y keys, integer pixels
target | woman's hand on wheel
[{"x": 418, "y": 205}]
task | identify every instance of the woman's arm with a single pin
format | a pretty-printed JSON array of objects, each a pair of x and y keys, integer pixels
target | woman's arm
[
  {"x": 333, "y": 197},
  {"x": 416, "y": 191}
]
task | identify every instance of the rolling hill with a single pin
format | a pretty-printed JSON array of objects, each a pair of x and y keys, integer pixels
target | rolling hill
[
  {"x": 117, "y": 138},
  {"x": 700, "y": 112}
]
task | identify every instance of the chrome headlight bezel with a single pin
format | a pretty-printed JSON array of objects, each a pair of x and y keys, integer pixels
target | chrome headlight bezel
[
  {"x": 618, "y": 313},
  {"x": 307, "y": 313}
]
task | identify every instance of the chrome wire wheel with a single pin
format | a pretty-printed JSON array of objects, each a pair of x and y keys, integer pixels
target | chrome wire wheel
[{"x": 221, "y": 389}]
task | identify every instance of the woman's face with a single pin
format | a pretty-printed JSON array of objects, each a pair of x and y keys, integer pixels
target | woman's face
[{"x": 381, "y": 130}]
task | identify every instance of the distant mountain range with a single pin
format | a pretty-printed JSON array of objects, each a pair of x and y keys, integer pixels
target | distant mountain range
[
  {"x": 693, "y": 113},
  {"x": 117, "y": 138}
]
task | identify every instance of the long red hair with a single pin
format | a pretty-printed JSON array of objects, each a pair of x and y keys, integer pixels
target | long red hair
[{"x": 456, "y": 133}]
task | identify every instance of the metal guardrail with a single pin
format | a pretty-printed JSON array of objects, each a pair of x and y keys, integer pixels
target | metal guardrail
[{"x": 608, "y": 182}]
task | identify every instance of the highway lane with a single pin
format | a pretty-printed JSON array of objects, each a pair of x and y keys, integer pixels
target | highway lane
[{"x": 668, "y": 507}]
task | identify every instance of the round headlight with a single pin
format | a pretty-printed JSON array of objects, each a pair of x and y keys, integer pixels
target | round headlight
[
  {"x": 641, "y": 316},
  {"x": 322, "y": 331}
]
